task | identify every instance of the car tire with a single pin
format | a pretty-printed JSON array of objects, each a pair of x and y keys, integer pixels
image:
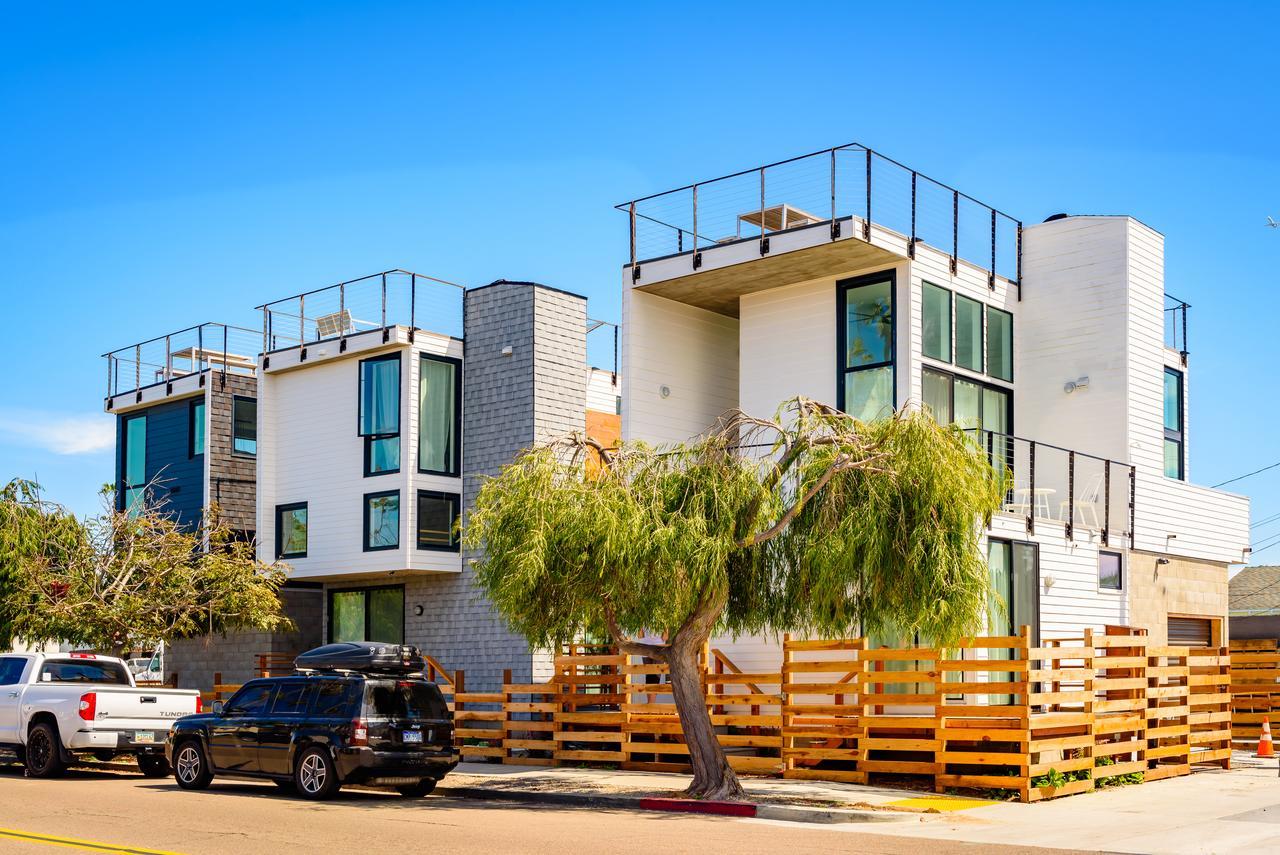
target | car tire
[
  {"x": 315, "y": 775},
  {"x": 153, "y": 766},
  {"x": 44, "y": 752},
  {"x": 191, "y": 765},
  {"x": 418, "y": 790}
]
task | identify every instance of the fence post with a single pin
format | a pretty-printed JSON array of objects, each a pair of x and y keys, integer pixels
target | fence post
[{"x": 788, "y": 761}]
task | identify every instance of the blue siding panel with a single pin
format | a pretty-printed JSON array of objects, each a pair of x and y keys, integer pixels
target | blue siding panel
[{"x": 178, "y": 479}]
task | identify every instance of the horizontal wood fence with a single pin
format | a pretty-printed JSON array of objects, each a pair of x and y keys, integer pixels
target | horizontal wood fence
[{"x": 1001, "y": 713}]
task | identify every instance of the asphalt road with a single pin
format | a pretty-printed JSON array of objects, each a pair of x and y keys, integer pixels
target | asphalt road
[{"x": 119, "y": 813}]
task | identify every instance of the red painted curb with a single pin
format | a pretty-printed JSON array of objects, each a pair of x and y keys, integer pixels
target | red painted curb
[{"x": 694, "y": 806}]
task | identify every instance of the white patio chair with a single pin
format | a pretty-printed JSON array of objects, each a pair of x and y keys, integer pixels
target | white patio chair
[{"x": 1088, "y": 504}]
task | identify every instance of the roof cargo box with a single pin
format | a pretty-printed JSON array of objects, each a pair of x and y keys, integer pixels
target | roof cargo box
[{"x": 365, "y": 656}]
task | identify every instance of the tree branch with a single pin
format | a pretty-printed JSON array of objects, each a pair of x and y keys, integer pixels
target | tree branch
[{"x": 630, "y": 646}]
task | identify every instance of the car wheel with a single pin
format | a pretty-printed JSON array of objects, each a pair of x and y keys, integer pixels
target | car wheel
[
  {"x": 315, "y": 775},
  {"x": 44, "y": 757},
  {"x": 153, "y": 766},
  {"x": 191, "y": 766},
  {"x": 418, "y": 790}
]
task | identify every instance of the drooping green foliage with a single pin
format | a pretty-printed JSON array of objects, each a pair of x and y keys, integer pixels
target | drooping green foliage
[
  {"x": 812, "y": 522},
  {"x": 119, "y": 580}
]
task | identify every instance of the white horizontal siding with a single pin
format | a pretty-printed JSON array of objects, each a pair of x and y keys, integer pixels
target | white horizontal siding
[
  {"x": 1206, "y": 523},
  {"x": 603, "y": 389}
]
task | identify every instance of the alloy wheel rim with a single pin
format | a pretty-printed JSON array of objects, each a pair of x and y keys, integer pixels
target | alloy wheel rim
[
  {"x": 39, "y": 749},
  {"x": 312, "y": 773},
  {"x": 188, "y": 764}
]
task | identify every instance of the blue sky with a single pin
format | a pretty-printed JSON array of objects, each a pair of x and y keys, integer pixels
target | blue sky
[{"x": 162, "y": 166}]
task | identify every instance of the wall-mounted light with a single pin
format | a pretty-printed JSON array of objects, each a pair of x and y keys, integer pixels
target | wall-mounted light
[
  {"x": 1078, "y": 383},
  {"x": 664, "y": 391},
  {"x": 418, "y": 610},
  {"x": 1160, "y": 561}
]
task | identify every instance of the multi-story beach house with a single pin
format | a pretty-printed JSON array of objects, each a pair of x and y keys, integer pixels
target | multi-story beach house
[{"x": 849, "y": 278}]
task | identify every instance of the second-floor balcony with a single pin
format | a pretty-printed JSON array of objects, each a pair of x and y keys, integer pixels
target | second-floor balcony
[{"x": 1085, "y": 495}]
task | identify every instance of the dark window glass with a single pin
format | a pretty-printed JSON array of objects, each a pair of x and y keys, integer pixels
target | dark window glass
[
  {"x": 291, "y": 531},
  {"x": 937, "y": 395},
  {"x": 84, "y": 671},
  {"x": 968, "y": 333},
  {"x": 291, "y": 699},
  {"x": 381, "y": 521},
  {"x": 1110, "y": 571},
  {"x": 403, "y": 699},
  {"x": 936, "y": 322},
  {"x": 866, "y": 332},
  {"x": 330, "y": 699},
  {"x": 252, "y": 699},
  {"x": 437, "y": 516},
  {"x": 244, "y": 426},
  {"x": 439, "y": 393},
  {"x": 11, "y": 670},
  {"x": 1174, "y": 444},
  {"x": 197, "y": 428},
  {"x": 386, "y": 615},
  {"x": 367, "y": 614},
  {"x": 380, "y": 396},
  {"x": 999, "y": 344},
  {"x": 381, "y": 455},
  {"x": 134, "y": 481}
]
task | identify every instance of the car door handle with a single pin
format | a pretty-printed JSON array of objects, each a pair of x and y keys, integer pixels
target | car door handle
[{"x": 13, "y": 694}]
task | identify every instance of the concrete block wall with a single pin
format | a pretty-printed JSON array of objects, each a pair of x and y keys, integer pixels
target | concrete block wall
[
  {"x": 509, "y": 402},
  {"x": 1184, "y": 587}
]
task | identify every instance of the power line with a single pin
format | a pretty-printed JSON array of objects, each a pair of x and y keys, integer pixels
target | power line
[
  {"x": 1246, "y": 475},
  {"x": 1269, "y": 519}
]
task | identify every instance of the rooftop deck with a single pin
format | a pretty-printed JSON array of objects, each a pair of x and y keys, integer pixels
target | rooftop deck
[
  {"x": 835, "y": 209},
  {"x": 170, "y": 358}
]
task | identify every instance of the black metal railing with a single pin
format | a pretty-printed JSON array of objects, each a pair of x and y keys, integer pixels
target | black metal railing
[
  {"x": 166, "y": 358},
  {"x": 825, "y": 189},
  {"x": 1048, "y": 482},
  {"x": 1175, "y": 325},
  {"x": 379, "y": 301}
]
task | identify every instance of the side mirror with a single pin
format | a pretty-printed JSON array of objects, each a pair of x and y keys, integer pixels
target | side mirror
[{"x": 218, "y": 707}]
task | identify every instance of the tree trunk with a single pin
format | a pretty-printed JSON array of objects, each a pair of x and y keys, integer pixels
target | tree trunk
[{"x": 712, "y": 776}]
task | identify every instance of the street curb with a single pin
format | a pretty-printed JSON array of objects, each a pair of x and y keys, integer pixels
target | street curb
[{"x": 783, "y": 813}]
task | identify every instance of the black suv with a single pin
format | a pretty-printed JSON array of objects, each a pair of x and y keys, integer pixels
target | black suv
[{"x": 320, "y": 729}]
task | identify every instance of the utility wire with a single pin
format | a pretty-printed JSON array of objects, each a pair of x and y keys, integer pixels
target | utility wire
[{"x": 1246, "y": 475}]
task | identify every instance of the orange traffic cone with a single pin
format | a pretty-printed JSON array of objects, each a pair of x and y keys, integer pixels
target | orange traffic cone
[{"x": 1265, "y": 748}]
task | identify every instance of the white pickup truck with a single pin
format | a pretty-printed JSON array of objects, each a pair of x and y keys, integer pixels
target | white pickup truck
[{"x": 54, "y": 706}]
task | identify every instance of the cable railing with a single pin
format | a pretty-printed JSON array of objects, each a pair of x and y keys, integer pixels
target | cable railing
[
  {"x": 379, "y": 301},
  {"x": 163, "y": 359},
  {"x": 1175, "y": 325},
  {"x": 828, "y": 189},
  {"x": 1082, "y": 491}
]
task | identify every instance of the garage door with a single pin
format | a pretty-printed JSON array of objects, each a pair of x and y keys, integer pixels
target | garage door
[{"x": 1190, "y": 632}]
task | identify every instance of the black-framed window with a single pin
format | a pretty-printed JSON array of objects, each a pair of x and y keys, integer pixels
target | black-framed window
[
  {"x": 379, "y": 413},
  {"x": 1175, "y": 455},
  {"x": 974, "y": 406},
  {"x": 291, "y": 530},
  {"x": 969, "y": 337},
  {"x": 437, "y": 520},
  {"x": 367, "y": 614},
  {"x": 381, "y": 520},
  {"x": 244, "y": 426},
  {"x": 195, "y": 428},
  {"x": 866, "y": 341},
  {"x": 133, "y": 470},
  {"x": 999, "y": 343},
  {"x": 1110, "y": 571},
  {"x": 935, "y": 314},
  {"x": 439, "y": 415}
]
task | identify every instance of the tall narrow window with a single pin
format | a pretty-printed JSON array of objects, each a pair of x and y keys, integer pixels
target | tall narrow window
[
  {"x": 244, "y": 426},
  {"x": 291, "y": 530},
  {"x": 381, "y": 520},
  {"x": 1174, "y": 444},
  {"x": 866, "y": 341},
  {"x": 133, "y": 481},
  {"x": 439, "y": 414},
  {"x": 380, "y": 413},
  {"x": 437, "y": 518},
  {"x": 968, "y": 333},
  {"x": 1015, "y": 603},
  {"x": 195, "y": 434},
  {"x": 999, "y": 344},
  {"x": 936, "y": 322}
]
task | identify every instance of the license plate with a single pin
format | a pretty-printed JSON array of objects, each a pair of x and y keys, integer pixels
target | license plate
[
  {"x": 145, "y": 737},
  {"x": 412, "y": 736}
]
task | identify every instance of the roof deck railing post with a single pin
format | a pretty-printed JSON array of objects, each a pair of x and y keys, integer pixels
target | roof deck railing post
[
  {"x": 137, "y": 367},
  {"x": 386, "y": 333},
  {"x": 1133, "y": 501},
  {"x": 697, "y": 256},
  {"x": 866, "y": 222},
  {"x": 955, "y": 231},
  {"x": 1185, "y": 349},
  {"x": 911, "y": 244},
  {"x": 764, "y": 241},
  {"x": 635, "y": 269},
  {"x": 835, "y": 224},
  {"x": 1019, "y": 262},
  {"x": 1031, "y": 488},
  {"x": 413, "y": 304},
  {"x": 223, "y": 376},
  {"x": 1106, "y": 510},
  {"x": 198, "y": 360},
  {"x": 1071, "y": 494},
  {"x": 302, "y": 327},
  {"x": 991, "y": 274},
  {"x": 342, "y": 317},
  {"x": 266, "y": 328},
  {"x": 110, "y": 359},
  {"x": 168, "y": 361}
]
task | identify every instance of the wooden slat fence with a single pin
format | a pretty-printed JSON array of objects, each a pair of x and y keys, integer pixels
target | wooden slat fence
[{"x": 1255, "y": 689}]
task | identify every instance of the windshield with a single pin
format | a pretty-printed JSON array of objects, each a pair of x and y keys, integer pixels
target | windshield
[
  {"x": 404, "y": 699},
  {"x": 84, "y": 671}
]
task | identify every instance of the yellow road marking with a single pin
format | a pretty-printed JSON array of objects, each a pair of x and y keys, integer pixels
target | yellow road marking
[
  {"x": 74, "y": 843},
  {"x": 940, "y": 803}
]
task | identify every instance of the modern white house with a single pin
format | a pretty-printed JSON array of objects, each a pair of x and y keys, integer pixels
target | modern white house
[
  {"x": 382, "y": 404},
  {"x": 849, "y": 278}
]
